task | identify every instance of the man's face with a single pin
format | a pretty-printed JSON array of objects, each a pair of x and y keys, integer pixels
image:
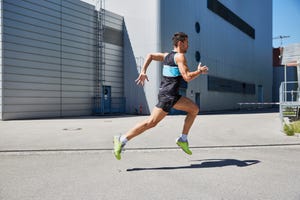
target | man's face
[{"x": 184, "y": 45}]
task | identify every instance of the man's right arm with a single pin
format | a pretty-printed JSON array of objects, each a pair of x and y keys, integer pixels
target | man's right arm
[{"x": 151, "y": 56}]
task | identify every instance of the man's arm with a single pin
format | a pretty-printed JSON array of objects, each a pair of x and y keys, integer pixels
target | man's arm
[
  {"x": 152, "y": 56},
  {"x": 184, "y": 70}
]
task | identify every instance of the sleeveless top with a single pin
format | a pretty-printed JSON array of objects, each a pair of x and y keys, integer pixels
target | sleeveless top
[{"x": 171, "y": 80}]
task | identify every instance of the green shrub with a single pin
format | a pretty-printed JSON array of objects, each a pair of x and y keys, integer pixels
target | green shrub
[
  {"x": 296, "y": 126},
  {"x": 289, "y": 129},
  {"x": 292, "y": 128}
]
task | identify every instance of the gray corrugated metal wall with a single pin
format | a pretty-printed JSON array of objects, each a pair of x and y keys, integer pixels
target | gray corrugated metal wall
[
  {"x": 49, "y": 58},
  {"x": 32, "y": 59},
  {"x": 78, "y": 57},
  {"x": 113, "y": 54}
]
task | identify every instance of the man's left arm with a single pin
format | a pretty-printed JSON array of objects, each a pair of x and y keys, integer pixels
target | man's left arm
[{"x": 184, "y": 70}]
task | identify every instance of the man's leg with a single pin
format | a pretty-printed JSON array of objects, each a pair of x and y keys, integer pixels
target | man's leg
[
  {"x": 119, "y": 142},
  {"x": 192, "y": 110},
  {"x": 156, "y": 116},
  {"x": 185, "y": 104}
]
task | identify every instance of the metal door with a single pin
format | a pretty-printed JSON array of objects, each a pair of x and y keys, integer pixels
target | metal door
[
  {"x": 260, "y": 94},
  {"x": 106, "y": 99}
]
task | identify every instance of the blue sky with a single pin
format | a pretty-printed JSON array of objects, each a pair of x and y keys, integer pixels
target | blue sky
[{"x": 286, "y": 21}]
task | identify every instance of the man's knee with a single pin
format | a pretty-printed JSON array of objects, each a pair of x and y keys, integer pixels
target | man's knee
[
  {"x": 151, "y": 123},
  {"x": 194, "y": 110}
]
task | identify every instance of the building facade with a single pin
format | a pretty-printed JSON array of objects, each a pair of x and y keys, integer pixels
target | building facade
[
  {"x": 227, "y": 36},
  {"x": 69, "y": 58}
]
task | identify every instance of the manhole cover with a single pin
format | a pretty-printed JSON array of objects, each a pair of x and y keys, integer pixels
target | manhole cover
[{"x": 72, "y": 129}]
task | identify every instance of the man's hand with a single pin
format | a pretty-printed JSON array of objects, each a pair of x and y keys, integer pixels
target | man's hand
[
  {"x": 141, "y": 79},
  {"x": 202, "y": 69}
]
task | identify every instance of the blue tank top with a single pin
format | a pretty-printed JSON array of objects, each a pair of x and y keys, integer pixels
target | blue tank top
[
  {"x": 172, "y": 79},
  {"x": 170, "y": 67}
]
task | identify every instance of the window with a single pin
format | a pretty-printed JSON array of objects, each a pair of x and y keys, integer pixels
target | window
[
  {"x": 197, "y": 27},
  {"x": 221, "y": 10},
  {"x": 113, "y": 36},
  {"x": 227, "y": 85},
  {"x": 197, "y": 56}
]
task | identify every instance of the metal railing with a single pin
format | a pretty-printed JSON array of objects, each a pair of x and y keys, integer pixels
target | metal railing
[
  {"x": 289, "y": 97},
  {"x": 289, "y": 92},
  {"x": 256, "y": 105}
]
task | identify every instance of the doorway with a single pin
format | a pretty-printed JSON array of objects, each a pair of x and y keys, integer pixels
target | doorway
[
  {"x": 106, "y": 94},
  {"x": 260, "y": 94}
]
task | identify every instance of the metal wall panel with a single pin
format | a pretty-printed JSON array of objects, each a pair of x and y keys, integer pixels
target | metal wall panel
[
  {"x": 110, "y": 93},
  {"x": 77, "y": 30},
  {"x": 113, "y": 70},
  {"x": 31, "y": 61},
  {"x": 49, "y": 58},
  {"x": 113, "y": 21}
]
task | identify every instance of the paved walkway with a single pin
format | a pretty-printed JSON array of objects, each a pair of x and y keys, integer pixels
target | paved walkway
[{"x": 235, "y": 156}]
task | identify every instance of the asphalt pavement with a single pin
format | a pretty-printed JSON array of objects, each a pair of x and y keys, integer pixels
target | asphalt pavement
[{"x": 235, "y": 156}]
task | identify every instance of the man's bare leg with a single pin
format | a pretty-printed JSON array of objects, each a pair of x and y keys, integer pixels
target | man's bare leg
[
  {"x": 120, "y": 141},
  {"x": 192, "y": 110},
  {"x": 185, "y": 104},
  {"x": 156, "y": 116}
]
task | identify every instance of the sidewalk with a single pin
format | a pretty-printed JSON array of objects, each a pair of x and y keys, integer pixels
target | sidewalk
[{"x": 97, "y": 132}]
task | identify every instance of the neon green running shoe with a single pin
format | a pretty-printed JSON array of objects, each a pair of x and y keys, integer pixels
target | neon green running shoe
[
  {"x": 118, "y": 146},
  {"x": 184, "y": 145}
]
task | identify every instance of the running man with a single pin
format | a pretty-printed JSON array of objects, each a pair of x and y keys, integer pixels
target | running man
[{"x": 175, "y": 70}]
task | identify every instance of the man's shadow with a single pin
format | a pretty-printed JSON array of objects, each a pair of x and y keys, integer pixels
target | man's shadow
[{"x": 207, "y": 163}]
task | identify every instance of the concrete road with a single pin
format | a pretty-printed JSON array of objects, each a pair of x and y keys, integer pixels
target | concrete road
[{"x": 235, "y": 156}]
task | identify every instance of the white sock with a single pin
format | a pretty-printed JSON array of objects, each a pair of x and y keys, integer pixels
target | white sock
[
  {"x": 123, "y": 139},
  {"x": 183, "y": 137}
]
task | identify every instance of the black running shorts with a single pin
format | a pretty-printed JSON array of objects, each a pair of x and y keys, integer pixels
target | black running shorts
[{"x": 167, "y": 102}]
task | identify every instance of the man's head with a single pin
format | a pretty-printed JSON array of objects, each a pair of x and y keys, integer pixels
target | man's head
[{"x": 180, "y": 40}]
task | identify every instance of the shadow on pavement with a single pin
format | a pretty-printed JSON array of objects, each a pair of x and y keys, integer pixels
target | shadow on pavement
[{"x": 208, "y": 163}]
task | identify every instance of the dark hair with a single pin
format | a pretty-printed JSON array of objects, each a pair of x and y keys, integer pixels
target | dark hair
[{"x": 179, "y": 36}]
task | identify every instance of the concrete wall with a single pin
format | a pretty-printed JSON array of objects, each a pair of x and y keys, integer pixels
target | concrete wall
[
  {"x": 230, "y": 53},
  {"x": 1, "y": 65},
  {"x": 141, "y": 36}
]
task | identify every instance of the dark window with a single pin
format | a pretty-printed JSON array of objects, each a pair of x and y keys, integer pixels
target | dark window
[
  {"x": 113, "y": 36},
  {"x": 221, "y": 10},
  {"x": 197, "y": 56},
  {"x": 197, "y": 27},
  {"x": 227, "y": 85}
]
